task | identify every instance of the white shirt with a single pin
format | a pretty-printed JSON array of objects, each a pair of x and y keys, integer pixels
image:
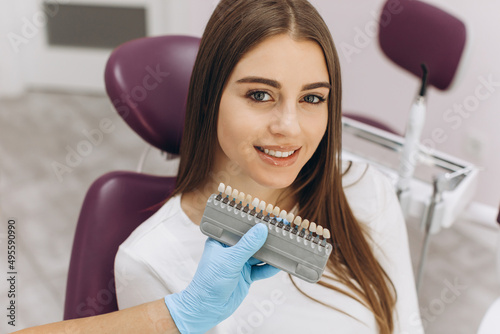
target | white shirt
[{"x": 161, "y": 256}]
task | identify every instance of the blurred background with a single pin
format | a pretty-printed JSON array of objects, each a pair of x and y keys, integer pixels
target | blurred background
[{"x": 52, "y": 96}]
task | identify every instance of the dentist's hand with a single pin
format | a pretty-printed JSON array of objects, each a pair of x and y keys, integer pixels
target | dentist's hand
[{"x": 220, "y": 283}]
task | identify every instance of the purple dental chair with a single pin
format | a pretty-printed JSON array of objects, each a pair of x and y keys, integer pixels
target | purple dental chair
[
  {"x": 416, "y": 32},
  {"x": 147, "y": 81},
  {"x": 412, "y": 32}
]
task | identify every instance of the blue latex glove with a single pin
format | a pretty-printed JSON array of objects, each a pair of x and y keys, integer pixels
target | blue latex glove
[{"x": 220, "y": 283}]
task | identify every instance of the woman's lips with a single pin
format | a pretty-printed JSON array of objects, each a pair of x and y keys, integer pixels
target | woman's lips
[{"x": 278, "y": 161}]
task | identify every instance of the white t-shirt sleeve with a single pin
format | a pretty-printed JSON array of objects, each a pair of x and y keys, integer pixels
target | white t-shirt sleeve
[
  {"x": 136, "y": 282},
  {"x": 392, "y": 249}
]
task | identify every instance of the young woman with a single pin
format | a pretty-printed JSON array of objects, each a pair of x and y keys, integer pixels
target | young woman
[{"x": 264, "y": 116}]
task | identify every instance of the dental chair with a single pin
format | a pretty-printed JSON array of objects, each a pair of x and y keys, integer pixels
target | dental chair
[
  {"x": 412, "y": 33},
  {"x": 147, "y": 81}
]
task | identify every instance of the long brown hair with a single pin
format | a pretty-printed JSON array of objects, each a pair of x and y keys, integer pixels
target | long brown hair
[{"x": 235, "y": 27}]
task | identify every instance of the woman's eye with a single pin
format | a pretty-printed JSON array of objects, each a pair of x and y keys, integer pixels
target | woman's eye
[
  {"x": 259, "y": 96},
  {"x": 313, "y": 99}
]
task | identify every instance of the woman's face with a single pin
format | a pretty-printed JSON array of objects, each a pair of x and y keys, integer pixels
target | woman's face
[{"x": 273, "y": 111}]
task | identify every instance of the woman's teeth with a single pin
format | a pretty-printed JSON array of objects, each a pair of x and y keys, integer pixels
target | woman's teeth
[{"x": 277, "y": 154}]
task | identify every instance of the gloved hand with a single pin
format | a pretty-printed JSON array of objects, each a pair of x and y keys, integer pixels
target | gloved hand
[{"x": 220, "y": 283}]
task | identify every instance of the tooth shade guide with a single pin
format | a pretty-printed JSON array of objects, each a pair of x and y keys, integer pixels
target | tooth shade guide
[
  {"x": 304, "y": 226},
  {"x": 284, "y": 248}
]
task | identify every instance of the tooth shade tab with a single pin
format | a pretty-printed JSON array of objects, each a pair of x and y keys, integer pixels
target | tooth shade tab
[
  {"x": 229, "y": 190},
  {"x": 235, "y": 194},
  {"x": 276, "y": 211},
  {"x": 262, "y": 205},
  {"x": 326, "y": 234},
  {"x": 305, "y": 224},
  {"x": 222, "y": 187},
  {"x": 248, "y": 199},
  {"x": 255, "y": 202},
  {"x": 269, "y": 208},
  {"x": 312, "y": 227},
  {"x": 319, "y": 230},
  {"x": 297, "y": 221},
  {"x": 283, "y": 214},
  {"x": 289, "y": 217},
  {"x": 241, "y": 196}
]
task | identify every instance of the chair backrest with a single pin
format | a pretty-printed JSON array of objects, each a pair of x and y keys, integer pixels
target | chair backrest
[
  {"x": 147, "y": 81},
  {"x": 412, "y": 32}
]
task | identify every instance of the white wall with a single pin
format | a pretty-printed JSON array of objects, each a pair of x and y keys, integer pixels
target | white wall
[
  {"x": 11, "y": 81},
  {"x": 374, "y": 86}
]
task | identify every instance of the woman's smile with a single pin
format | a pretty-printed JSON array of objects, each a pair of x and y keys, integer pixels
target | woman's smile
[{"x": 277, "y": 156}]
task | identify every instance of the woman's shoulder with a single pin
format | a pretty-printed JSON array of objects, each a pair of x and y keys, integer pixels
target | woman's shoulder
[
  {"x": 369, "y": 192},
  {"x": 362, "y": 176},
  {"x": 167, "y": 213}
]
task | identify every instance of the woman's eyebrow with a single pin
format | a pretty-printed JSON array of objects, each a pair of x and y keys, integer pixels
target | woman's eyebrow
[
  {"x": 316, "y": 85},
  {"x": 276, "y": 84}
]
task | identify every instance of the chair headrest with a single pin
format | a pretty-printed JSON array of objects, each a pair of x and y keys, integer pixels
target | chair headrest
[
  {"x": 147, "y": 80},
  {"x": 415, "y": 32}
]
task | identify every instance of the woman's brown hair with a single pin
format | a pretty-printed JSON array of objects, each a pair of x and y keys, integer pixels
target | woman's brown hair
[{"x": 235, "y": 27}]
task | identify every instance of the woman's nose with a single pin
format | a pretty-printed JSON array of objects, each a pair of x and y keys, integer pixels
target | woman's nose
[{"x": 285, "y": 120}]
